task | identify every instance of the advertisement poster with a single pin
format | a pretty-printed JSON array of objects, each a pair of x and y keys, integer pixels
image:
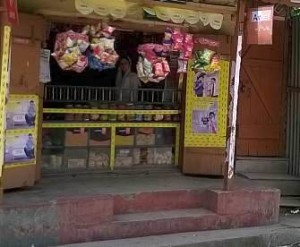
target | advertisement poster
[
  {"x": 260, "y": 26},
  {"x": 20, "y": 148},
  {"x": 206, "y": 85},
  {"x": 205, "y": 119},
  {"x": 21, "y": 113},
  {"x": 206, "y": 107}
]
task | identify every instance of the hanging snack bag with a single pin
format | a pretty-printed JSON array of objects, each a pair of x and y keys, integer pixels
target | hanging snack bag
[
  {"x": 69, "y": 49},
  {"x": 167, "y": 41},
  {"x": 177, "y": 39}
]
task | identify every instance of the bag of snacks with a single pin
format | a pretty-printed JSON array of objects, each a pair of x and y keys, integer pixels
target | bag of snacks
[{"x": 69, "y": 51}]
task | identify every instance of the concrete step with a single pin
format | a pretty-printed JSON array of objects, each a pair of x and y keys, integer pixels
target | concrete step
[
  {"x": 288, "y": 185},
  {"x": 162, "y": 222},
  {"x": 262, "y": 165},
  {"x": 290, "y": 202},
  {"x": 273, "y": 235},
  {"x": 158, "y": 201}
]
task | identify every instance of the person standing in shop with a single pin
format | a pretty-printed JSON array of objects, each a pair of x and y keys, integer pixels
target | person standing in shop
[{"x": 127, "y": 82}]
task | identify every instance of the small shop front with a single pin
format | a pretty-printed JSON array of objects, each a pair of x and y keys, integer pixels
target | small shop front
[{"x": 116, "y": 86}]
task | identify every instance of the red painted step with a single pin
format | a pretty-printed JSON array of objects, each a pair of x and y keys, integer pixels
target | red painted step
[
  {"x": 158, "y": 201},
  {"x": 160, "y": 222}
]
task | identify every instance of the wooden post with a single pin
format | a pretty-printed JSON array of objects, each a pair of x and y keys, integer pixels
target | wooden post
[{"x": 234, "y": 93}]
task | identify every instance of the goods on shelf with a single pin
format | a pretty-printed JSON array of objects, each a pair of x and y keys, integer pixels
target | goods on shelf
[
  {"x": 145, "y": 136},
  {"x": 76, "y": 158},
  {"x": 99, "y": 137},
  {"x": 165, "y": 136},
  {"x": 143, "y": 156},
  {"x": 124, "y": 158},
  {"x": 163, "y": 156},
  {"x": 69, "y": 51},
  {"x": 52, "y": 161},
  {"x": 98, "y": 159},
  {"x": 79, "y": 138}
]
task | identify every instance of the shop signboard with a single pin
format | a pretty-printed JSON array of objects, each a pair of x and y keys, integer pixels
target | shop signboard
[
  {"x": 260, "y": 25},
  {"x": 12, "y": 11}
]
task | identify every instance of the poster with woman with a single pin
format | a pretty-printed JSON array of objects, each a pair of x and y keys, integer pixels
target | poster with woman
[
  {"x": 21, "y": 112},
  {"x": 19, "y": 148},
  {"x": 205, "y": 120},
  {"x": 206, "y": 84}
]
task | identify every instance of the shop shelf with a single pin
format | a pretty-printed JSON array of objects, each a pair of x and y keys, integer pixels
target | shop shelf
[
  {"x": 99, "y": 137},
  {"x": 125, "y": 136},
  {"x": 145, "y": 136},
  {"x": 75, "y": 158},
  {"x": 163, "y": 156},
  {"x": 52, "y": 159},
  {"x": 143, "y": 156},
  {"x": 165, "y": 136},
  {"x": 76, "y": 137},
  {"x": 53, "y": 137},
  {"x": 99, "y": 158},
  {"x": 124, "y": 158}
]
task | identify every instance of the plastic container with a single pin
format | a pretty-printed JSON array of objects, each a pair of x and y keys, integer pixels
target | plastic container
[
  {"x": 130, "y": 117},
  {"x": 167, "y": 117},
  {"x": 69, "y": 116},
  {"x": 121, "y": 117},
  {"x": 124, "y": 158},
  {"x": 94, "y": 117},
  {"x": 158, "y": 117},
  {"x": 139, "y": 117},
  {"x": 86, "y": 117},
  {"x": 163, "y": 156},
  {"x": 78, "y": 117},
  {"x": 76, "y": 158},
  {"x": 104, "y": 117},
  {"x": 99, "y": 158},
  {"x": 113, "y": 117},
  {"x": 147, "y": 117}
]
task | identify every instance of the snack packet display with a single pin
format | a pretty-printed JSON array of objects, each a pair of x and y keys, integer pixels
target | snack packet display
[
  {"x": 69, "y": 51},
  {"x": 206, "y": 61},
  {"x": 102, "y": 47},
  {"x": 152, "y": 66}
]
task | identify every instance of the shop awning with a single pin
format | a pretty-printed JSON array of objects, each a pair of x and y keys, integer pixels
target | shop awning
[{"x": 211, "y": 17}]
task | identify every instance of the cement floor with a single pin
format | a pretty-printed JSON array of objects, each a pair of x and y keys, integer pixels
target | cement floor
[{"x": 86, "y": 185}]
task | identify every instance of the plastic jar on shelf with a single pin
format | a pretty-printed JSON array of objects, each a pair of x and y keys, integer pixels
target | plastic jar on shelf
[
  {"x": 69, "y": 116},
  {"x": 167, "y": 117},
  {"x": 94, "y": 117},
  {"x": 78, "y": 117},
  {"x": 158, "y": 117},
  {"x": 148, "y": 117},
  {"x": 113, "y": 117},
  {"x": 86, "y": 117},
  {"x": 121, "y": 116},
  {"x": 130, "y": 117},
  {"x": 139, "y": 117},
  {"x": 104, "y": 117}
]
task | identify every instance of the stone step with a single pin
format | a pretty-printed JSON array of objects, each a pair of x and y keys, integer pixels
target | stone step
[
  {"x": 288, "y": 185},
  {"x": 262, "y": 165},
  {"x": 272, "y": 235},
  {"x": 157, "y": 201},
  {"x": 290, "y": 202},
  {"x": 161, "y": 222}
]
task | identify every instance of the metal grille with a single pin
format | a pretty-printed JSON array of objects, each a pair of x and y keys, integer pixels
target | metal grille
[{"x": 67, "y": 94}]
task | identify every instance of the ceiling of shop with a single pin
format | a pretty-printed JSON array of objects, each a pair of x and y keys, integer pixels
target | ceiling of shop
[{"x": 65, "y": 9}]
